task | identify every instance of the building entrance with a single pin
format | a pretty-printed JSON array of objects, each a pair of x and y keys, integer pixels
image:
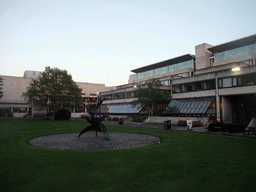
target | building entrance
[{"x": 243, "y": 108}]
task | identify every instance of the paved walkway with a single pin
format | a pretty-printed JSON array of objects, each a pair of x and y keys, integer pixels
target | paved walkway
[{"x": 203, "y": 129}]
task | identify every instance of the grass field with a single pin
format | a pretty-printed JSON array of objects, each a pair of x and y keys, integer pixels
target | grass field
[{"x": 181, "y": 162}]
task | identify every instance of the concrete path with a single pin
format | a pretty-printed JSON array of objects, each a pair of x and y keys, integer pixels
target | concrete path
[{"x": 202, "y": 130}]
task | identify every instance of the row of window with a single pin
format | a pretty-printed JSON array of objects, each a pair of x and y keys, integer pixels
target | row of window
[
  {"x": 167, "y": 82},
  {"x": 236, "y": 53},
  {"x": 171, "y": 68},
  {"x": 243, "y": 80},
  {"x": 115, "y": 96},
  {"x": 194, "y": 86}
]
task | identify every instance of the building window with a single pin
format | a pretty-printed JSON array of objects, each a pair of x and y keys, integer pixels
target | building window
[
  {"x": 236, "y": 53},
  {"x": 248, "y": 62},
  {"x": 165, "y": 83},
  {"x": 161, "y": 70},
  {"x": 129, "y": 95},
  {"x": 249, "y": 79},
  {"x": 243, "y": 80},
  {"x": 182, "y": 74},
  {"x": 211, "y": 62},
  {"x": 220, "y": 83},
  {"x": 145, "y": 74},
  {"x": 227, "y": 82},
  {"x": 234, "y": 81},
  {"x": 176, "y": 88},
  {"x": 107, "y": 97},
  {"x": 119, "y": 95},
  {"x": 194, "y": 86},
  {"x": 182, "y": 65},
  {"x": 19, "y": 109},
  {"x": 198, "y": 86},
  {"x": 209, "y": 85}
]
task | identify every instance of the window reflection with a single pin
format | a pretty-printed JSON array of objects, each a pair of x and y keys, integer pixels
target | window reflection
[
  {"x": 195, "y": 86},
  {"x": 236, "y": 53},
  {"x": 162, "y": 70},
  {"x": 243, "y": 80}
]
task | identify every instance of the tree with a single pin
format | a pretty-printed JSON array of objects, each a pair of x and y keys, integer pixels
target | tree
[
  {"x": 54, "y": 89},
  {"x": 1, "y": 83},
  {"x": 152, "y": 93}
]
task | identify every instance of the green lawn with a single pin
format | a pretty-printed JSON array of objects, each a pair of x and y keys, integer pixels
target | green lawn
[{"x": 182, "y": 162}]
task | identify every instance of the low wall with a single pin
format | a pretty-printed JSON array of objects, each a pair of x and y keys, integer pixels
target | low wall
[{"x": 175, "y": 120}]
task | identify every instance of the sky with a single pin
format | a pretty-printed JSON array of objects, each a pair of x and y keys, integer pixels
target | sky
[{"x": 101, "y": 41}]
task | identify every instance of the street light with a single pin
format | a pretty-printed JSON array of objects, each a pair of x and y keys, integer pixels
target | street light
[{"x": 236, "y": 69}]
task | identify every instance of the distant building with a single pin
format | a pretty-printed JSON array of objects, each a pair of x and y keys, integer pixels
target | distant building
[
  {"x": 32, "y": 74},
  {"x": 12, "y": 101}
]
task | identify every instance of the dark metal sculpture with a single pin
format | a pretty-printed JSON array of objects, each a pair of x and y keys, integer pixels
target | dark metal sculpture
[{"x": 96, "y": 122}]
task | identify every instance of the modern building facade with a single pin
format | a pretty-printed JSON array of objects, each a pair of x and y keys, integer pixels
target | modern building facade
[
  {"x": 218, "y": 81},
  {"x": 13, "y": 103}
]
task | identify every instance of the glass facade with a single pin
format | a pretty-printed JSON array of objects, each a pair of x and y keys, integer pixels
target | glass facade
[
  {"x": 194, "y": 86},
  {"x": 236, "y": 53},
  {"x": 145, "y": 74},
  {"x": 183, "y": 75},
  {"x": 129, "y": 94},
  {"x": 166, "y": 83},
  {"x": 190, "y": 106},
  {"x": 107, "y": 97},
  {"x": 124, "y": 108},
  {"x": 182, "y": 65},
  {"x": 243, "y": 80},
  {"x": 161, "y": 70},
  {"x": 119, "y": 95},
  {"x": 172, "y": 68}
]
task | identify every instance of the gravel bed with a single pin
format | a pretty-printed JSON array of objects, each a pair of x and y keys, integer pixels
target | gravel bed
[{"x": 89, "y": 141}]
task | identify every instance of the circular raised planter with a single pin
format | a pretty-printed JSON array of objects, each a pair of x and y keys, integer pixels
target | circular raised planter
[{"x": 90, "y": 141}]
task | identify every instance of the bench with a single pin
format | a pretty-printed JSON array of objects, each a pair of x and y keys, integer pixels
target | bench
[
  {"x": 251, "y": 127},
  {"x": 248, "y": 130},
  {"x": 182, "y": 123},
  {"x": 194, "y": 124}
]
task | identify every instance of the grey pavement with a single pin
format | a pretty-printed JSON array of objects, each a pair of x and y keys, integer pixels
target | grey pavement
[{"x": 203, "y": 129}]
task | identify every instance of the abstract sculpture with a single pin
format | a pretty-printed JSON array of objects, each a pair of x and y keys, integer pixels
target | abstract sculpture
[{"x": 96, "y": 122}]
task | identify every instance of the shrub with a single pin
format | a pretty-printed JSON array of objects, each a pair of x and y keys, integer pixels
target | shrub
[
  {"x": 6, "y": 114},
  {"x": 62, "y": 114}
]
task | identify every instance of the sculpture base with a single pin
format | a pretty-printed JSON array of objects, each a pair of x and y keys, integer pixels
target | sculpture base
[{"x": 89, "y": 141}]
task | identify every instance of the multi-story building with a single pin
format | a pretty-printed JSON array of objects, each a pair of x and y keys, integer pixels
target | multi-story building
[
  {"x": 13, "y": 87},
  {"x": 218, "y": 81}
]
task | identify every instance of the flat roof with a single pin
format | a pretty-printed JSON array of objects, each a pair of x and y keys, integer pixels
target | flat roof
[
  {"x": 164, "y": 63},
  {"x": 233, "y": 44}
]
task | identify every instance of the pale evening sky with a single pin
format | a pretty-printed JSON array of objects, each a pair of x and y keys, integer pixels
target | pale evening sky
[{"x": 100, "y": 41}]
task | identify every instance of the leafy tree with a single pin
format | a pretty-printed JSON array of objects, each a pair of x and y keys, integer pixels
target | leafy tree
[
  {"x": 1, "y": 83},
  {"x": 152, "y": 93},
  {"x": 54, "y": 89}
]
